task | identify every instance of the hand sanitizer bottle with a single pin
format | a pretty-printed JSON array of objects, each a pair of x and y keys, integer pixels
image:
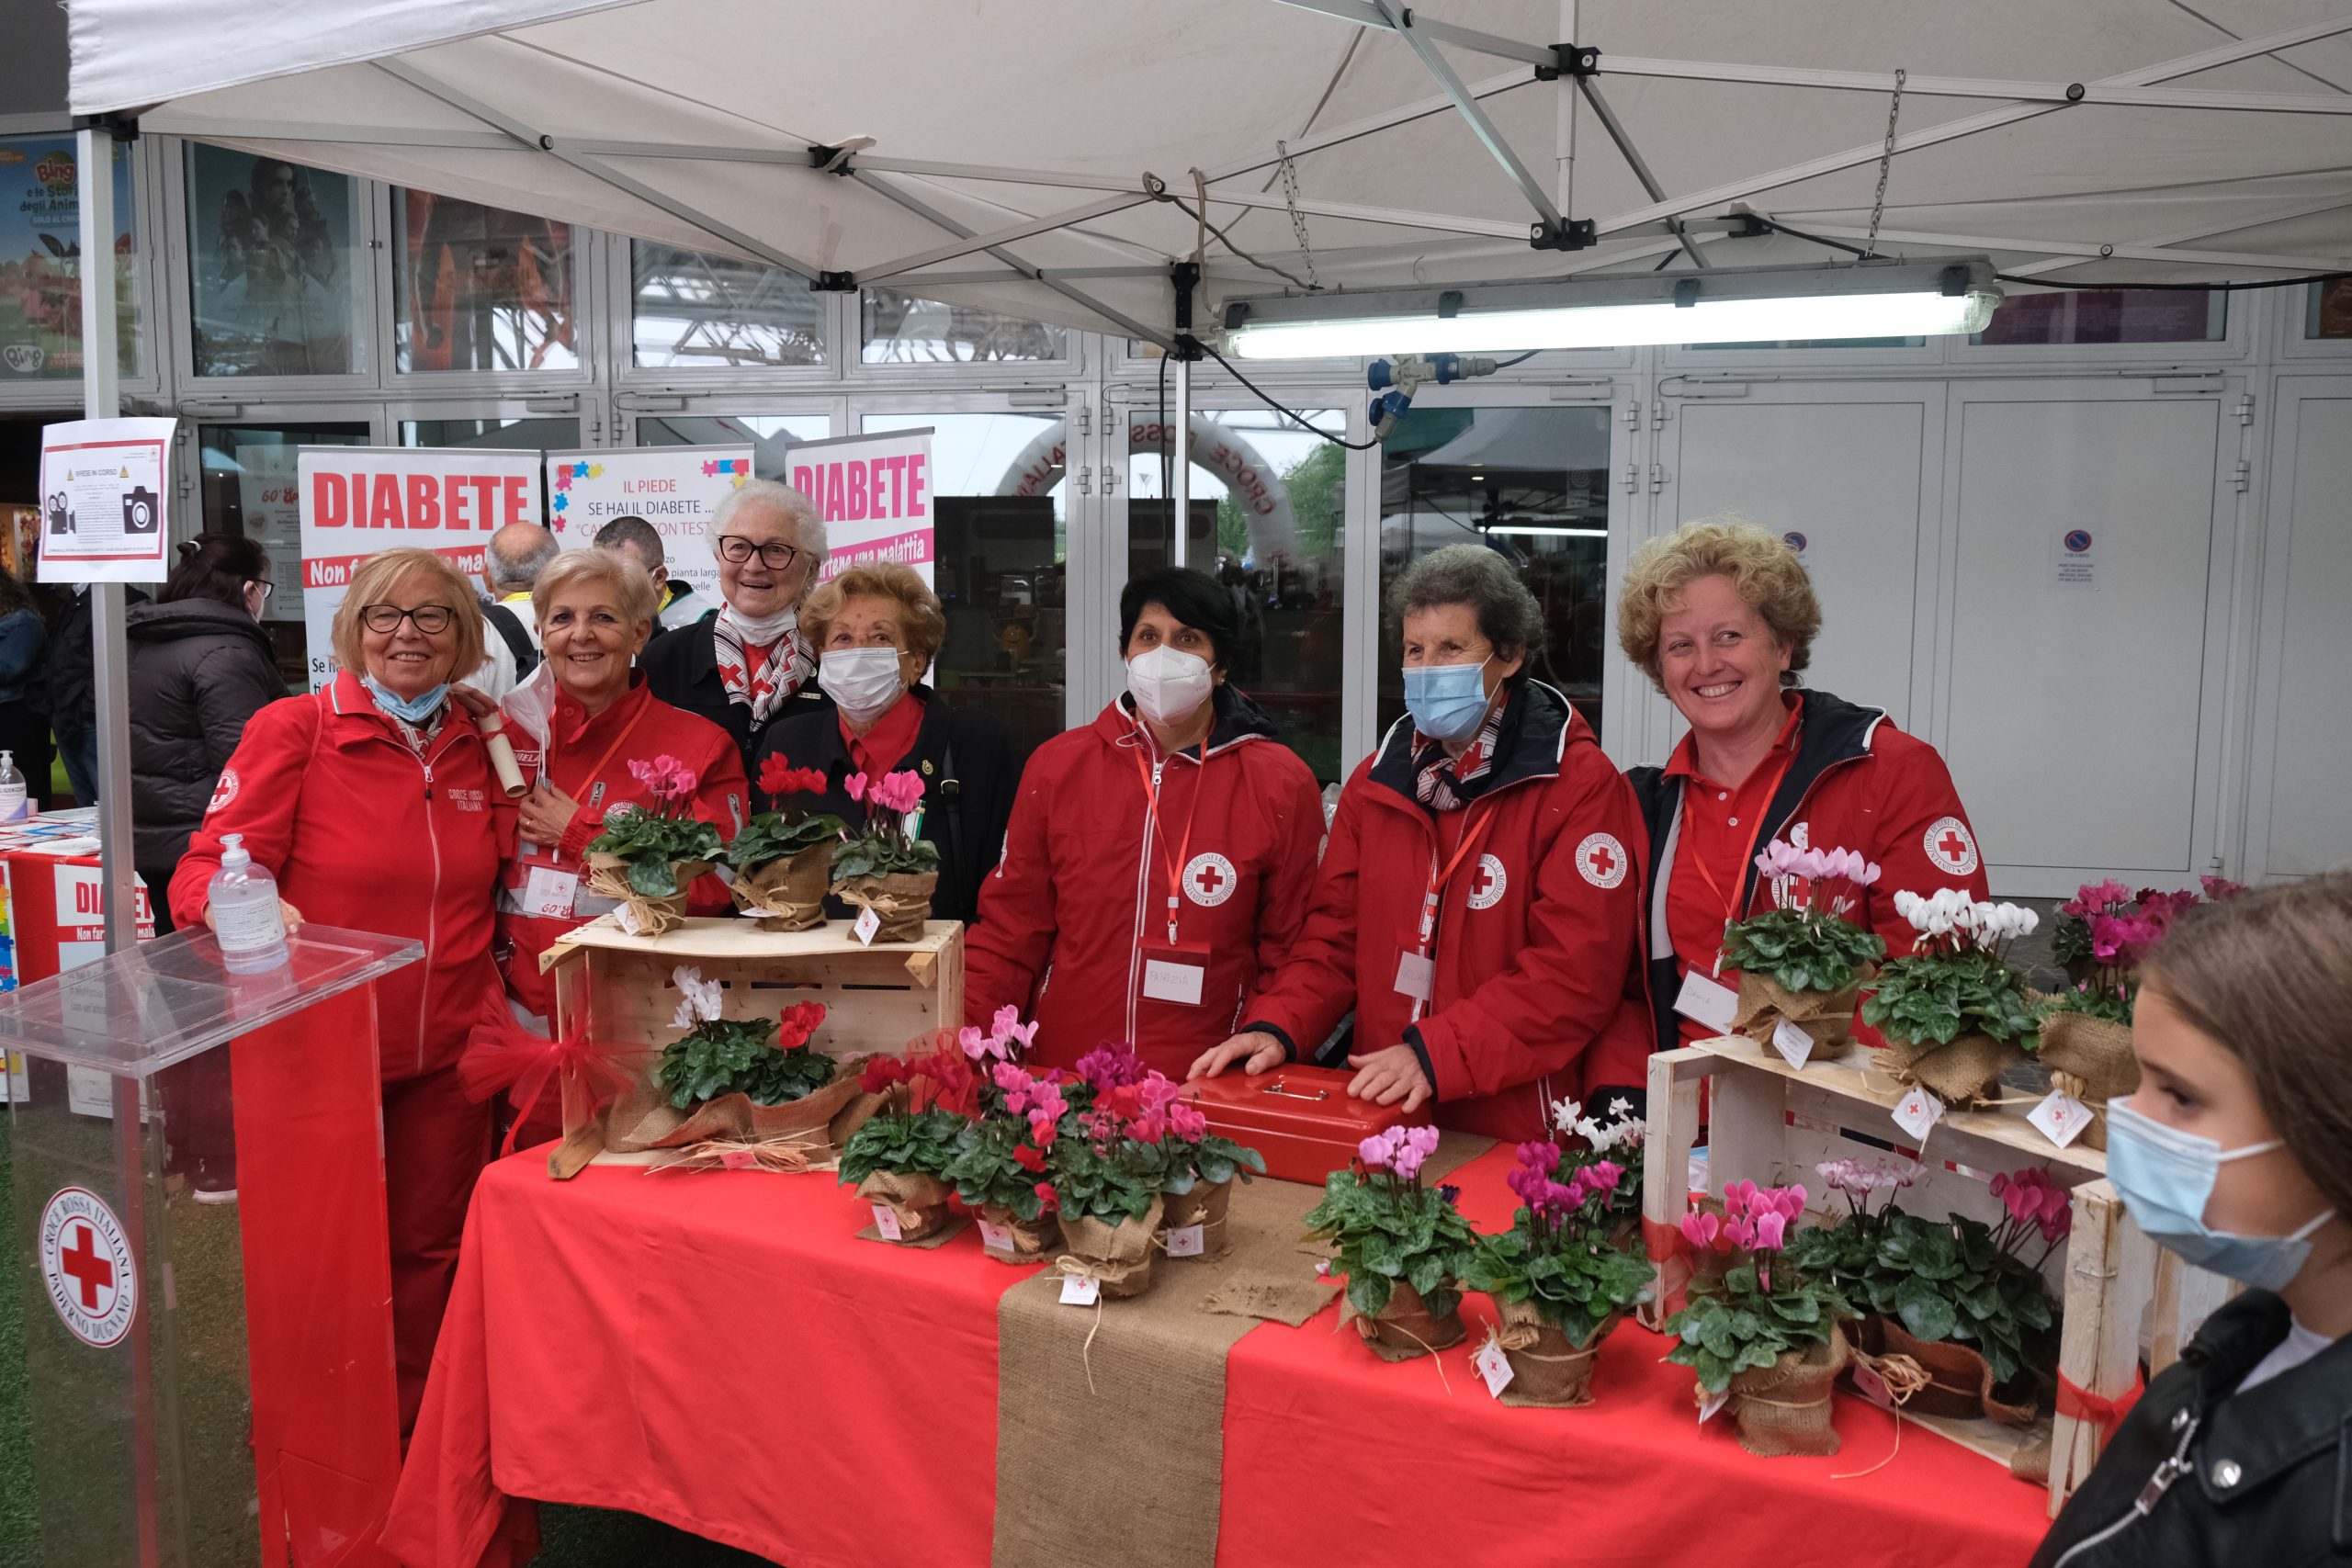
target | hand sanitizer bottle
[
  {"x": 244, "y": 911},
  {"x": 13, "y": 806}
]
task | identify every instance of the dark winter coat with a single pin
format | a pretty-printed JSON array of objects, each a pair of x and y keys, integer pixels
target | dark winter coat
[
  {"x": 682, "y": 666},
  {"x": 200, "y": 669}
]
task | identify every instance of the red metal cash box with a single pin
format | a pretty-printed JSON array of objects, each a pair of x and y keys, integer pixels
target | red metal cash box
[{"x": 1299, "y": 1118}]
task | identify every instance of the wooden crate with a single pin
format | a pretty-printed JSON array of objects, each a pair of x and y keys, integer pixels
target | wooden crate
[
  {"x": 876, "y": 998},
  {"x": 1771, "y": 1123}
]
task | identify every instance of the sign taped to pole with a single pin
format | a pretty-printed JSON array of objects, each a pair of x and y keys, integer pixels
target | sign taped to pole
[
  {"x": 358, "y": 501},
  {"x": 105, "y": 497},
  {"x": 675, "y": 489},
  {"x": 873, "y": 492}
]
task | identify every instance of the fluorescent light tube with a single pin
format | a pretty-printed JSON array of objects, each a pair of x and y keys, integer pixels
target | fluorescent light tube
[{"x": 1547, "y": 532}]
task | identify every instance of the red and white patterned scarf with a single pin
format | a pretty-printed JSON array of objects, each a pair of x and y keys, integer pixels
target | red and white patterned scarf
[
  {"x": 1435, "y": 774},
  {"x": 788, "y": 665}
]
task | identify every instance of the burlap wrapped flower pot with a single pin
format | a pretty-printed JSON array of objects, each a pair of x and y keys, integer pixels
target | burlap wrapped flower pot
[
  {"x": 2091, "y": 1059},
  {"x": 641, "y": 912},
  {"x": 901, "y": 901},
  {"x": 787, "y": 895},
  {"x": 1959, "y": 1384},
  {"x": 1205, "y": 1206},
  {"x": 919, "y": 1202},
  {"x": 1546, "y": 1368},
  {"x": 1030, "y": 1240},
  {"x": 1825, "y": 1018},
  {"x": 1784, "y": 1408},
  {"x": 1406, "y": 1327},
  {"x": 1117, "y": 1253},
  {"x": 1958, "y": 1073}
]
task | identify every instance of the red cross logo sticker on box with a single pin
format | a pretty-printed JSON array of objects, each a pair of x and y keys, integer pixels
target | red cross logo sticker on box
[
  {"x": 1209, "y": 880},
  {"x": 1948, "y": 845},
  {"x": 1601, "y": 859},
  {"x": 86, "y": 1264},
  {"x": 1488, "y": 884}
]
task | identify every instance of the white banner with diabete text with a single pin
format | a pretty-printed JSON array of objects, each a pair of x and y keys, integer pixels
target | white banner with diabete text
[
  {"x": 873, "y": 492},
  {"x": 675, "y": 488},
  {"x": 358, "y": 501}
]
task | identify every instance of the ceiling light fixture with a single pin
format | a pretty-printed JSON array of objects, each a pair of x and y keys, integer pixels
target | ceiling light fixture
[{"x": 1765, "y": 304}]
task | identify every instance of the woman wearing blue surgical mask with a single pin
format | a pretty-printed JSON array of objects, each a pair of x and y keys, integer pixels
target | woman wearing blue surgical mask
[
  {"x": 2235, "y": 1151},
  {"x": 875, "y": 630},
  {"x": 1159, "y": 859},
  {"x": 1478, "y": 899}
]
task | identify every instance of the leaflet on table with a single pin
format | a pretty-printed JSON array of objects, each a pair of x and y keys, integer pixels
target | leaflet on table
[
  {"x": 358, "y": 501},
  {"x": 675, "y": 489},
  {"x": 82, "y": 939},
  {"x": 873, "y": 492}
]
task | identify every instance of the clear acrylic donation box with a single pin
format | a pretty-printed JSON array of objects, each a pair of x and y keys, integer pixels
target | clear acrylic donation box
[{"x": 201, "y": 1256}]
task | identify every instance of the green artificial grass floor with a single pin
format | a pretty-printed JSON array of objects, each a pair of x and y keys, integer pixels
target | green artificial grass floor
[{"x": 571, "y": 1538}]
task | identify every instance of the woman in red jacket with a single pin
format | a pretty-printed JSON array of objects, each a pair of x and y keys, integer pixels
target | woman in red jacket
[
  {"x": 1159, "y": 860},
  {"x": 1722, "y": 616},
  {"x": 321, "y": 788},
  {"x": 576, "y": 729},
  {"x": 1479, "y": 898}
]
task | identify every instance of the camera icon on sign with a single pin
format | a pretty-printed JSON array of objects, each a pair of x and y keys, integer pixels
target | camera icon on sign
[{"x": 139, "y": 511}]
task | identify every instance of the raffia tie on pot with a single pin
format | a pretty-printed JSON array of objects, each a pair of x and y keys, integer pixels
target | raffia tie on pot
[
  {"x": 642, "y": 914},
  {"x": 1032, "y": 1239},
  {"x": 901, "y": 901},
  {"x": 1546, "y": 1369},
  {"x": 1827, "y": 1018},
  {"x": 787, "y": 895},
  {"x": 1118, "y": 1254},
  {"x": 1784, "y": 1408},
  {"x": 787, "y": 1154},
  {"x": 1205, "y": 1206},
  {"x": 1959, "y": 1073},
  {"x": 919, "y": 1202}
]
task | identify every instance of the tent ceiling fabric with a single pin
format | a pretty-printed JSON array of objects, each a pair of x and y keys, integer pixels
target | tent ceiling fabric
[{"x": 687, "y": 121}]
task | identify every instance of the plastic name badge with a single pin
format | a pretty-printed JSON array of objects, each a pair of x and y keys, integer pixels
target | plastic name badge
[{"x": 1300, "y": 1118}]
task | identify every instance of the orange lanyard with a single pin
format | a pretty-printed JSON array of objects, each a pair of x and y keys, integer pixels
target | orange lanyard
[
  {"x": 1441, "y": 880},
  {"x": 1731, "y": 908},
  {"x": 1185, "y": 845},
  {"x": 589, "y": 777}
]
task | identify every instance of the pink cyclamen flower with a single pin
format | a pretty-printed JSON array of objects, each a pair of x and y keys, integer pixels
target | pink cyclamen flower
[
  {"x": 1700, "y": 1229},
  {"x": 1188, "y": 1121},
  {"x": 975, "y": 1043},
  {"x": 1770, "y": 1231},
  {"x": 1740, "y": 1233},
  {"x": 1740, "y": 1197},
  {"x": 1374, "y": 1151}
]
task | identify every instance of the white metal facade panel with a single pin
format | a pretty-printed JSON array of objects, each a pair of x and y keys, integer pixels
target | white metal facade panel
[{"x": 2303, "y": 740}]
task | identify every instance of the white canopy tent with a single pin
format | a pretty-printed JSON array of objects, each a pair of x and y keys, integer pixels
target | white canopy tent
[{"x": 1049, "y": 158}]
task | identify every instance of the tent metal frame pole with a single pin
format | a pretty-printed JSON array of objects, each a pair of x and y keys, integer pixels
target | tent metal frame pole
[
  {"x": 973, "y": 240},
  {"x": 1498, "y": 146},
  {"x": 2084, "y": 250},
  {"x": 1180, "y": 468},
  {"x": 1952, "y": 130},
  {"x": 2250, "y": 221},
  {"x": 2105, "y": 94},
  {"x": 1633, "y": 160},
  {"x": 102, "y": 398},
  {"x": 1563, "y": 181}
]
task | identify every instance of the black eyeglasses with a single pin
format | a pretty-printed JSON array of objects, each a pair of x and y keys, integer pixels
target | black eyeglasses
[
  {"x": 775, "y": 557},
  {"x": 265, "y": 585},
  {"x": 431, "y": 619}
]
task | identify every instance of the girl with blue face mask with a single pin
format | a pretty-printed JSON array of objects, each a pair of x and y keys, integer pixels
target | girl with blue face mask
[{"x": 2235, "y": 1151}]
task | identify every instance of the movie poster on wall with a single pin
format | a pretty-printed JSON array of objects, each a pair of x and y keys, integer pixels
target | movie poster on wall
[
  {"x": 675, "y": 488},
  {"x": 359, "y": 500},
  {"x": 873, "y": 492},
  {"x": 270, "y": 269},
  {"x": 41, "y": 259}
]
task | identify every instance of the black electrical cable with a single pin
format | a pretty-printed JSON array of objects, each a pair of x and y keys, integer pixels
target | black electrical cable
[
  {"x": 1517, "y": 359},
  {"x": 2296, "y": 282},
  {"x": 1290, "y": 414},
  {"x": 1167, "y": 443}
]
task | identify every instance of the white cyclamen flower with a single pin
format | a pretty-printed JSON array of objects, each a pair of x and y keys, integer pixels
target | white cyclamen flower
[
  {"x": 1564, "y": 1113},
  {"x": 698, "y": 999}
]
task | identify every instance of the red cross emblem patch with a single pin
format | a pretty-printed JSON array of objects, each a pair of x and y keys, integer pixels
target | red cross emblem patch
[
  {"x": 225, "y": 792},
  {"x": 1488, "y": 884},
  {"x": 1601, "y": 859},
  {"x": 87, "y": 1268},
  {"x": 1949, "y": 844},
  {"x": 1209, "y": 880}
]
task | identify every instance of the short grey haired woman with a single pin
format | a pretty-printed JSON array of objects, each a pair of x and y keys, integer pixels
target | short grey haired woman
[
  {"x": 1478, "y": 900},
  {"x": 747, "y": 663}
]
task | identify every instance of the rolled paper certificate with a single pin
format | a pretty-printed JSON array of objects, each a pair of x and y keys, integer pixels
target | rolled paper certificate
[{"x": 501, "y": 757}]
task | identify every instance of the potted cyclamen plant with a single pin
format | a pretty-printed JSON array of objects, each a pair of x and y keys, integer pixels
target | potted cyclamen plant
[
  {"x": 1403, "y": 1246},
  {"x": 890, "y": 869},
  {"x": 1198, "y": 1166},
  {"x": 900, "y": 1157},
  {"x": 1107, "y": 1171},
  {"x": 1763, "y": 1336},
  {"x": 647, "y": 856},
  {"x": 1558, "y": 1281},
  {"x": 1000, "y": 1166},
  {"x": 782, "y": 859},
  {"x": 1622, "y": 1135},
  {"x": 1954, "y": 1012},
  {"x": 753, "y": 1083},
  {"x": 1802, "y": 962}
]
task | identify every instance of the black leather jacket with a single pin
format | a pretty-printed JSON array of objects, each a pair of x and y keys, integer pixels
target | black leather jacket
[{"x": 2202, "y": 1474}]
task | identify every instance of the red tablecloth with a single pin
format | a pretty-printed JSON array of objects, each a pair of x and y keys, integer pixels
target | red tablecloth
[{"x": 718, "y": 1351}]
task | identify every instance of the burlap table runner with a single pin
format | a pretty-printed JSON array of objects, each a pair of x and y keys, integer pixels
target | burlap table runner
[{"x": 1147, "y": 1440}]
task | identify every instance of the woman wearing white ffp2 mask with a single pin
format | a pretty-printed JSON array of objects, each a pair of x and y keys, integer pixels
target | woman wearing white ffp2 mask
[
  {"x": 1159, "y": 858},
  {"x": 874, "y": 630},
  {"x": 2235, "y": 1151}
]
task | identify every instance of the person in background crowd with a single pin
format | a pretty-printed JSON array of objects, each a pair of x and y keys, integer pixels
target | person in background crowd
[
  {"x": 576, "y": 731},
  {"x": 742, "y": 667},
  {"x": 1157, "y": 861},
  {"x": 512, "y": 561},
  {"x": 2235, "y": 1152},
  {"x": 875, "y": 630},
  {"x": 1722, "y": 616},
  {"x": 200, "y": 667},
  {"x": 374, "y": 803},
  {"x": 633, "y": 539},
  {"x": 1478, "y": 904},
  {"x": 24, "y": 688},
  {"x": 74, "y": 688}
]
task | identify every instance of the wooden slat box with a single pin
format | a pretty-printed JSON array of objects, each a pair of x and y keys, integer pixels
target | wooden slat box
[{"x": 1771, "y": 1123}]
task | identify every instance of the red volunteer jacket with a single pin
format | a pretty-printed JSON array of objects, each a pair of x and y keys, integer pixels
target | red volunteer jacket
[
  {"x": 1856, "y": 784},
  {"x": 1536, "y": 950},
  {"x": 362, "y": 832},
  {"x": 1082, "y": 893},
  {"x": 592, "y": 759}
]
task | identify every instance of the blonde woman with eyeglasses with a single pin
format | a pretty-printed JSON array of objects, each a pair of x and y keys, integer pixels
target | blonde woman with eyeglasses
[{"x": 374, "y": 803}]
